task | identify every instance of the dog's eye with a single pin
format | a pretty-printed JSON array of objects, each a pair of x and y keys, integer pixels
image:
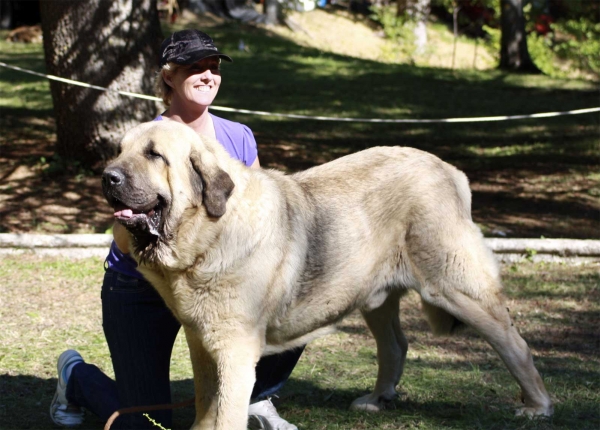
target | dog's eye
[{"x": 152, "y": 154}]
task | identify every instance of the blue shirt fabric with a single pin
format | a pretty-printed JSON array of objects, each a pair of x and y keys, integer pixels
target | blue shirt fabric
[{"x": 239, "y": 142}]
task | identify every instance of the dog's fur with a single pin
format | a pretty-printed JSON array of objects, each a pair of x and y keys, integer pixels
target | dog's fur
[
  {"x": 253, "y": 262},
  {"x": 26, "y": 34}
]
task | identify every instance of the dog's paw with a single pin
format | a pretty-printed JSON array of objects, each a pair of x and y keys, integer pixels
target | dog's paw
[
  {"x": 373, "y": 403},
  {"x": 530, "y": 412}
]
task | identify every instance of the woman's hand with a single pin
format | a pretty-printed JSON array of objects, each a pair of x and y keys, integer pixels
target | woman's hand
[{"x": 121, "y": 237}]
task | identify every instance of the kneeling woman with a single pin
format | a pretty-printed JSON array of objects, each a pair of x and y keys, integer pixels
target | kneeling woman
[{"x": 139, "y": 328}]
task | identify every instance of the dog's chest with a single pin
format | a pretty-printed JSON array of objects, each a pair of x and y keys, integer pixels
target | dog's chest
[{"x": 203, "y": 305}]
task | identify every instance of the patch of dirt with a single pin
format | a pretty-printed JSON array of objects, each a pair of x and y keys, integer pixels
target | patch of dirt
[{"x": 37, "y": 194}]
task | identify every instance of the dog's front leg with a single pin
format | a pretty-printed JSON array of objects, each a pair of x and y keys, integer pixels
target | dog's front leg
[
  {"x": 223, "y": 379},
  {"x": 206, "y": 382}
]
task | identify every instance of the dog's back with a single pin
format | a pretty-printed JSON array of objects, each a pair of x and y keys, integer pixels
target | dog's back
[
  {"x": 393, "y": 219},
  {"x": 368, "y": 219}
]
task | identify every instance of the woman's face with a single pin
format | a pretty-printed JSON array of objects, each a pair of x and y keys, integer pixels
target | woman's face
[{"x": 197, "y": 83}]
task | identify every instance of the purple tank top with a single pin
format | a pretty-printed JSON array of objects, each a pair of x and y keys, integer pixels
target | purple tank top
[{"x": 239, "y": 142}]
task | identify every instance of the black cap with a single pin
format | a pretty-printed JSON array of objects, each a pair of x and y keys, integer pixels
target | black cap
[{"x": 188, "y": 46}]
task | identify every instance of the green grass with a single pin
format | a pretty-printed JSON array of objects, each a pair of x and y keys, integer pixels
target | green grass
[
  {"x": 48, "y": 305},
  {"x": 18, "y": 90},
  {"x": 279, "y": 76}
]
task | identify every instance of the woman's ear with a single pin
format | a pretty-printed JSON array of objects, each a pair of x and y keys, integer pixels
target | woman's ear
[{"x": 167, "y": 77}]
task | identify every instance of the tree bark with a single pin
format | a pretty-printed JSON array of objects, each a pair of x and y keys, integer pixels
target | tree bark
[
  {"x": 112, "y": 44},
  {"x": 514, "y": 54},
  {"x": 272, "y": 12},
  {"x": 421, "y": 10},
  {"x": 401, "y": 7}
]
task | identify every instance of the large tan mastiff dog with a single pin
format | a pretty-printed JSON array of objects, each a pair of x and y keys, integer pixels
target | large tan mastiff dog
[{"x": 253, "y": 262}]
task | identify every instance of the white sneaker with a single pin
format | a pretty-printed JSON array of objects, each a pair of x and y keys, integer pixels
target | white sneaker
[
  {"x": 62, "y": 412},
  {"x": 264, "y": 416}
]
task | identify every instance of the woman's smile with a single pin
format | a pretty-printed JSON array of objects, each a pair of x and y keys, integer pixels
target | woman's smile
[{"x": 197, "y": 83}]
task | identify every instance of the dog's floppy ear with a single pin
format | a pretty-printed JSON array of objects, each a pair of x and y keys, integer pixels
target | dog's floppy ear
[{"x": 211, "y": 182}]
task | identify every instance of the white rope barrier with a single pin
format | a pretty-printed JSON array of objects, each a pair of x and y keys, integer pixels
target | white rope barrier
[
  {"x": 320, "y": 118},
  {"x": 80, "y": 84}
]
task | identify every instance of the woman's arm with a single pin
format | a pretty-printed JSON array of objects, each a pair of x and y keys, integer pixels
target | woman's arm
[{"x": 121, "y": 237}]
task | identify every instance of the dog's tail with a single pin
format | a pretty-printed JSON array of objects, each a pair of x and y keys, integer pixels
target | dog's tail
[{"x": 440, "y": 321}]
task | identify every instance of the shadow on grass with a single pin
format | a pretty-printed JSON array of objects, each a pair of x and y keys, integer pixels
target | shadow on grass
[
  {"x": 569, "y": 336},
  {"x": 304, "y": 402},
  {"x": 40, "y": 192},
  {"x": 280, "y": 76},
  {"x": 53, "y": 203},
  {"x": 26, "y": 401}
]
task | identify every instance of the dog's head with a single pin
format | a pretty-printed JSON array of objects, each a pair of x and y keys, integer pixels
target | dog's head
[{"x": 163, "y": 170}]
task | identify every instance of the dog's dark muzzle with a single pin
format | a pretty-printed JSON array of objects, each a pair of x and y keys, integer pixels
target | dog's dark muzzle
[
  {"x": 113, "y": 177},
  {"x": 138, "y": 211},
  {"x": 113, "y": 180}
]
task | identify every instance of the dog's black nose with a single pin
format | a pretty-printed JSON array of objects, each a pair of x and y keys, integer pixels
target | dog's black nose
[{"x": 113, "y": 178}]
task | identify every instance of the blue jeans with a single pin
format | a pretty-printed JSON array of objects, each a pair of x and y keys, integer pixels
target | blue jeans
[{"x": 140, "y": 332}]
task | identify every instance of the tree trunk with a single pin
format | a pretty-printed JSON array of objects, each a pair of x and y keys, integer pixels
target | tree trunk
[
  {"x": 514, "y": 54},
  {"x": 421, "y": 14},
  {"x": 272, "y": 12},
  {"x": 401, "y": 7},
  {"x": 113, "y": 44}
]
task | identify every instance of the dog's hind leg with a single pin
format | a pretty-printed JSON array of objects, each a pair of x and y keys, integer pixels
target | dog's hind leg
[
  {"x": 494, "y": 324},
  {"x": 384, "y": 323},
  {"x": 469, "y": 289}
]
